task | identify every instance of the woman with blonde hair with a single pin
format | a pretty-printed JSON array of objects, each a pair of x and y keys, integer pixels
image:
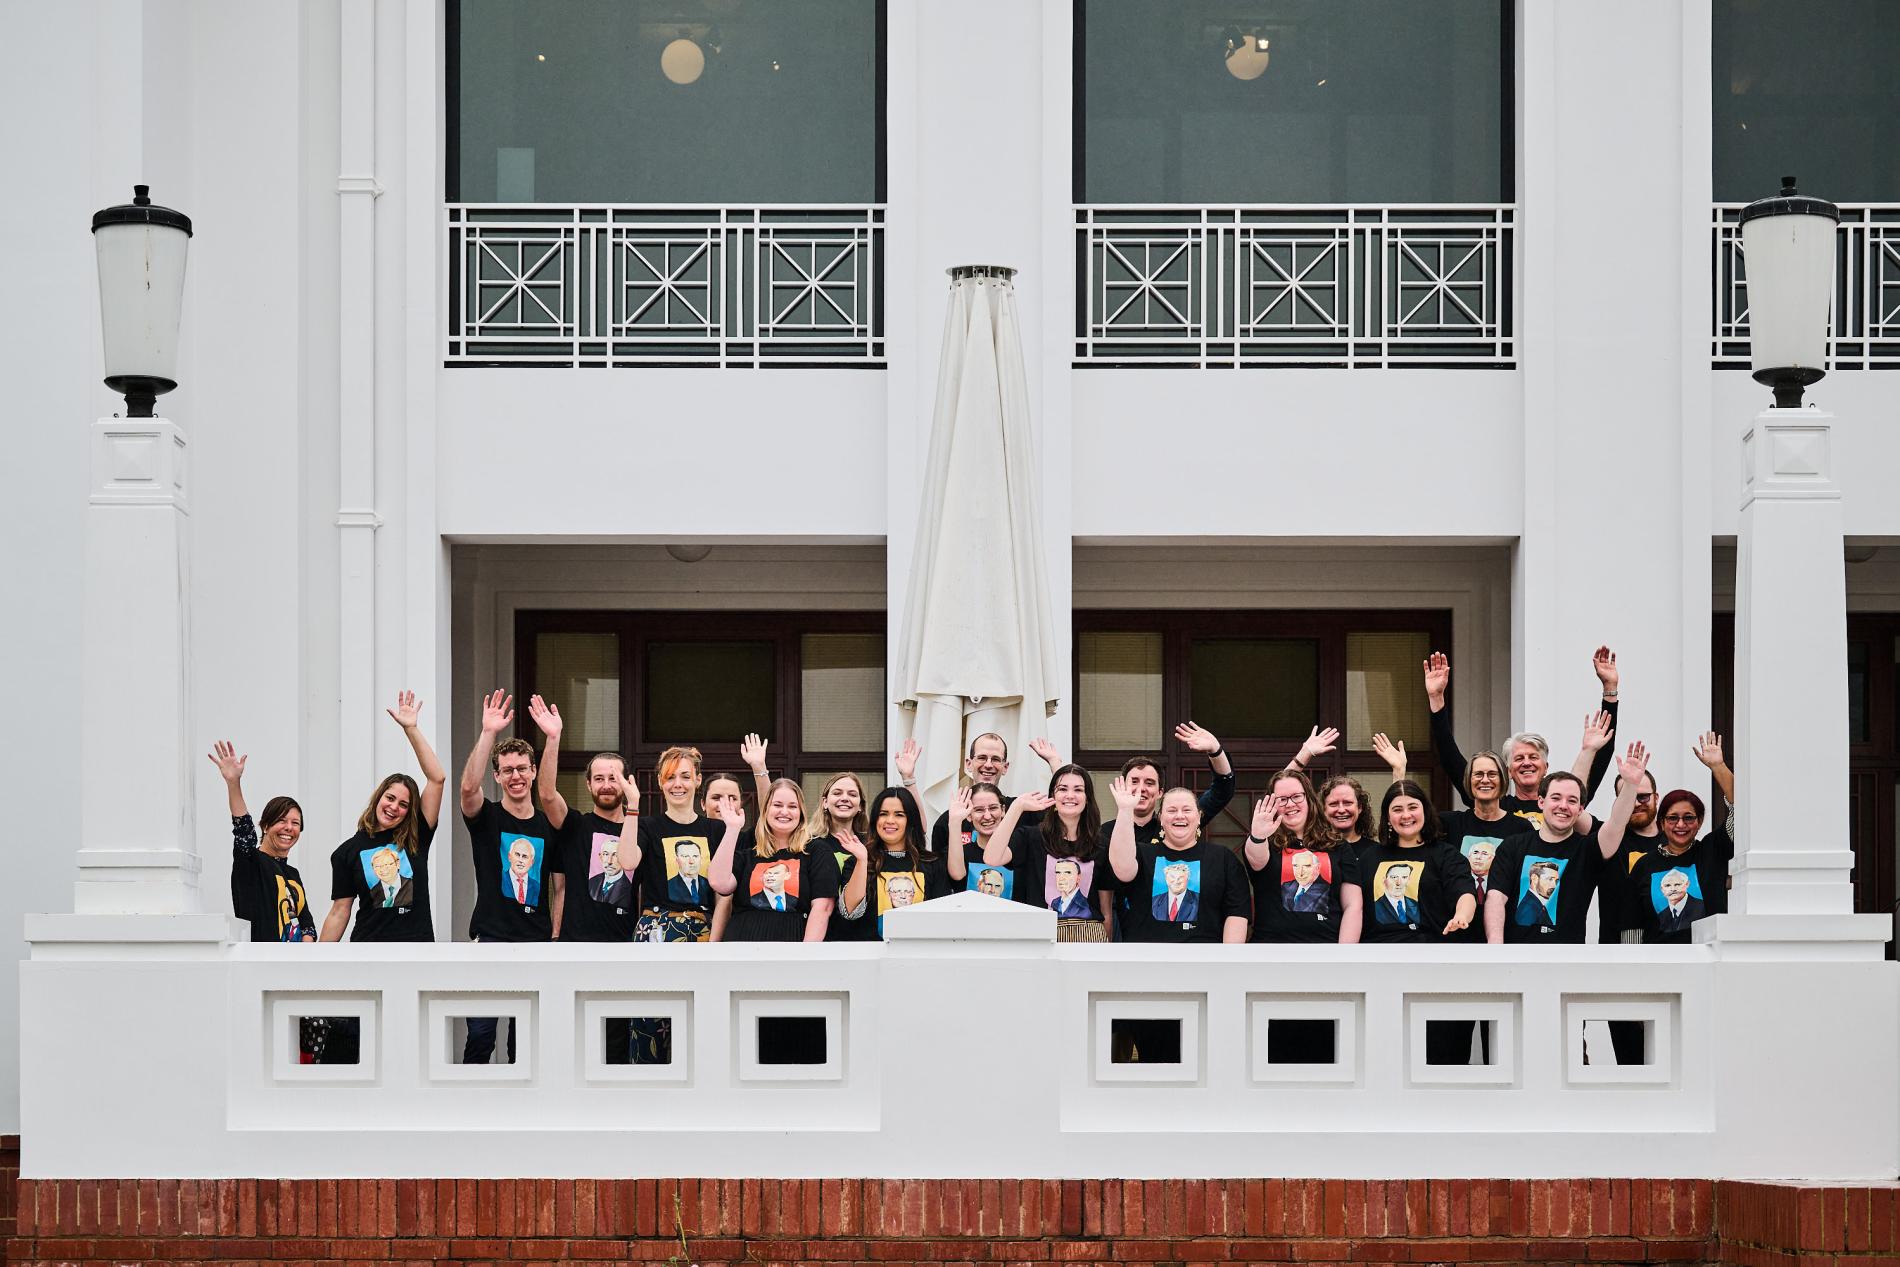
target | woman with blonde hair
[{"x": 775, "y": 887}]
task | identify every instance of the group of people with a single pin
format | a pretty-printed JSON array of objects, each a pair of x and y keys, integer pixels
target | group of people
[{"x": 1520, "y": 861}]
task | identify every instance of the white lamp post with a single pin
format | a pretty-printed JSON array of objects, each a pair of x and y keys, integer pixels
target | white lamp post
[
  {"x": 1794, "y": 867},
  {"x": 1788, "y": 243},
  {"x": 141, "y": 249}
]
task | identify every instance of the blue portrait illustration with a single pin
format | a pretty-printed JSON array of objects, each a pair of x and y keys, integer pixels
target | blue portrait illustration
[
  {"x": 1177, "y": 890},
  {"x": 1676, "y": 896},
  {"x": 995, "y": 881},
  {"x": 388, "y": 876},
  {"x": 521, "y": 858},
  {"x": 1538, "y": 887}
]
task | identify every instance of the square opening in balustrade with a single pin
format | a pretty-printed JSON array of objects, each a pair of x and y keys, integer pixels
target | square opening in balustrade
[
  {"x": 328, "y": 1040},
  {"x": 1627, "y": 1040},
  {"x": 1463, "y": 1040},
  {"x": 1459, "y": 1042},
  {"x": 478, "y": 1037},
  {"x": 1144, "y": 1040},
  {"x": 1302, "y": 1041},
  {"x": 322, "y": 1037},
  {"x": 792, "y": 1040},
  {"x": 637, "y": 1040}
]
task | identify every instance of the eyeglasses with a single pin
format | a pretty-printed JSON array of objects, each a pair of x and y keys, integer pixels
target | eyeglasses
[
  {"x": 1644, "y": 798},
  {"x": 1683, "y": 818},
  {"x": 507, "y": 770}
]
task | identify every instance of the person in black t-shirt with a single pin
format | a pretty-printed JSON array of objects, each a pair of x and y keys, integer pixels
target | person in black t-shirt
[
  {"x": 382, "y": 872},
  {"x": 988, "y": 762},
  {"x": 1183, "y": 889},
  {"x": 1678, "y": 879},
  {"x": 891, "y": 869},
  {"x": 981, "y": 806},
  {"x": 1348, "y": 812},
  {"x": 1543, "y": 880},
  {"x": 1477, "y": 832},
  {"x": 1303, "y": 881},
  {"x": 781, "y": 889},
  {"x": 266, "y": 891},
  {"x": 518, "y": 891},
  {"x": 1526, "y": 756},
  {"x": 1060, "y": 862},
  {"x": 600, "y": 899},
  {"x": 670, "y": 853}
]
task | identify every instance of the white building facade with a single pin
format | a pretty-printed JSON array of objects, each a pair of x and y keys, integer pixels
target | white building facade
[{"x": 438, "y": 442}]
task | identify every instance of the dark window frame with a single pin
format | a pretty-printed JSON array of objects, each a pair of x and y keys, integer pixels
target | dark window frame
[{"x": 786, "y": 757}]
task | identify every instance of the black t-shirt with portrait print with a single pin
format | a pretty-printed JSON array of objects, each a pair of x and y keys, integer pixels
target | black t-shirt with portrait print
[
  {"x": 979, "y": 876},
  {"x": 1296, "y": 896},
  {"x": 267, "y": 893},
  {"x": 1665, "y": 893},
  {"x": 1615, "y": 914},
  {"x": 1424, "y": 897},
  {"x": 1183, "y": 896},
  {"x": 1468, "y": 833},
  {"x": 602, "y": 901},
  {"x": 894, "y": 881},
  {"x": 389, "y": 884},
  {"x": 1547, "y": 886},
  {"x": 514, "y": 874},
  {"x": 772, "y": 895},
  {"x": 676, "y": 858},
  {"x": 1073, "y": 887}
]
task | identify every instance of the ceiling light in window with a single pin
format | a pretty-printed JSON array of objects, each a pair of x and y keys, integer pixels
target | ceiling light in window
[
  {"x": 683, "y": 61},
  {"x": 1320, "y": 84},
  {"x": 540, "y": 57},
  {"x": 1246, "y": 56},
  {"x": 774, "y": 65}
]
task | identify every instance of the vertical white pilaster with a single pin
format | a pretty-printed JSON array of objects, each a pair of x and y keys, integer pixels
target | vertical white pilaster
[
  {"x": 137, "y": 851},
  {"x": 357, "y": 518},
  {"x": 1794, "y": 867}
]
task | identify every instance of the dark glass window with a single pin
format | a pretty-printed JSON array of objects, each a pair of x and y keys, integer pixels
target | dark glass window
[
  {"x": 710, "y": 691},
  {"x": 1370, "y": 101},
  {"x": 1256, "y": 688},
  {"x": 665, "y": 101},
  {"x": 1808, "y": 88}
]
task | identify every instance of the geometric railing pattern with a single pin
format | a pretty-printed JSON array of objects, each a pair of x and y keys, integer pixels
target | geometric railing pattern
[
  {"x": 1864, "y": 316},
  {"x": 601, "y": 285},
  {"x": 1347, "y": 286}
]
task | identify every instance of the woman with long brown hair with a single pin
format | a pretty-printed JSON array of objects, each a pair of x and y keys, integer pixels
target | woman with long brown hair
[
  {"x": 383, "y": 870},
  {"x": 1060, "y": 862},
  {"x": 1303, "y": 879}
]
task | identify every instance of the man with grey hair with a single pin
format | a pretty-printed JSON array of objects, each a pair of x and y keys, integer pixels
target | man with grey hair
[{"x": 1526, "y": 754}]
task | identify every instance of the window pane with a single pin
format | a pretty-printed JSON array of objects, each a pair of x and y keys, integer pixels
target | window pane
[
  {"x": 1810, "y": 87},
  {"x": 1857, "y": 692},
  {"x": 1384, "y": 691},
  {"x": 710, "y": 692},
  {"x": 1375, "y": 782},
  {"x": 1119, "y": 705},
  {"x": 1353, "y": 101},
  {"x": 841, "y": 692},
  {"x": 1255, "y": 688},
  {"x": 578, "y": 101},
  {"x": 579, "y": 673}
]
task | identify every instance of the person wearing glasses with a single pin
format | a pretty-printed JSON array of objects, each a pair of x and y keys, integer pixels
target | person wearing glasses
[
  {"x": 1477, "y": 832},
  {"x": 1679, "y": 877}
]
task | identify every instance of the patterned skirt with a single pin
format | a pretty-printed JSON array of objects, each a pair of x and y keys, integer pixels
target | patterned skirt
[
  {"x": 1090, "y": 930},
  {"x": 661, "y": 925}
]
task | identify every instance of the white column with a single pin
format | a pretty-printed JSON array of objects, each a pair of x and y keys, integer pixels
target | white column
[
  {"x": 137, "y": 852},
  {"x": 1793, "y": 869}
]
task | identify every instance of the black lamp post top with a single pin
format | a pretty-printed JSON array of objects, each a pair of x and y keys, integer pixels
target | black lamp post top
[
  {"x": 1789, "y": 203},
  {"x": 141, "y": 210}
]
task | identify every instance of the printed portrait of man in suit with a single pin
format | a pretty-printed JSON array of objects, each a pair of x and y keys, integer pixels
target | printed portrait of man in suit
[
  {"x": 1068, "y": 889},
  {"x": 684, "y": 883},
  {"x": 1537, "y": 904},
  {"x": 1304, "y": 888},
  {"x": 394, "y": 888},
  {"x": 1178, "y": 900},
  {"x": 991, "y": 880},
  {"x": 606, "y": 882},
  {"x": 1678, "y": 900},
  {"x": 1396, "y": 904},
  {"x": 522, "y": 880}
]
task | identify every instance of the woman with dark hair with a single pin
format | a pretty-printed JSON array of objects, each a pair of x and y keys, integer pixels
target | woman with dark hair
[
  {"x": 1304, "y": 883},
  {"x": 975, "y": 814},
  {"x": 1059, "y": 862},
  {"x": 781, "y": 889},
  {"x": 266, "y": 891},
  {"x": 1679, "y": 879},
  {"x": 1477, "y": 832},
  {"x": 1414, "y": 883},
  {"x": 383, "y": 870},
  {"x": 893, "y": 868},
  {"x": 1347, "y": 811}
]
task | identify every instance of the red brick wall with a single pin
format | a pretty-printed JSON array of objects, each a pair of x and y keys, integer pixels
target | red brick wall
[{"x": 970, "y": 1222}]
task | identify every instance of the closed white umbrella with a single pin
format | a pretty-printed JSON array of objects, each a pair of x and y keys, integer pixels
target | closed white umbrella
[{"x": 978, "y": 653}]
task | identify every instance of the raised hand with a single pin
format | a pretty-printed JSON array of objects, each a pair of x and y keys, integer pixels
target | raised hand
[
  {"x": 1047, "y": 751},
  {"x": 1437, "y": 678},
  {"x": 546, "y": 716},
  {"x": 1266, "y": 818},
  {"x": 1035, "y": 802},
  {"x": 1318, "y": 744},
  {"x": 906, "y": 759},
  {"x": 1708, "y": 749},
  {"x": 1393, "y": 754},
  {"x": 959, "y": 807},
  {"x": 498, "y": 710},
  {"x": 225, "y": 757},
  {"x": 1635, "y": 760},
  {"x": 752, "y": 752},
  {"x": 1124, "y": 796},
  {"x": 1597, "y": 731},
  {"x": 1604, "y": 662},
  {"x": 732, "y": 814},
  {"x": 1196, "y": 739},
  {"x": 849, "y": 839},
  {"x": 629, "y": 794},
  {"x": 408, "y": 709}
]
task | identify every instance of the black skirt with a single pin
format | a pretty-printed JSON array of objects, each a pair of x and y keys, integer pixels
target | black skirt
[{"x": 748, "y": 923}]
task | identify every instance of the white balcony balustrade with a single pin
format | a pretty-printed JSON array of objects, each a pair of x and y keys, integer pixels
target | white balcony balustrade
[
  {"x": 969, "y": 1045},
  {"x": 1345, "y": 286},
  {"x": 1864, "y": 319},
  {"x": 603, "y": 285}
]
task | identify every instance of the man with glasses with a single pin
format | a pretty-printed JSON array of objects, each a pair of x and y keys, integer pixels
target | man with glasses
[{"x": 518, "y": 892}]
